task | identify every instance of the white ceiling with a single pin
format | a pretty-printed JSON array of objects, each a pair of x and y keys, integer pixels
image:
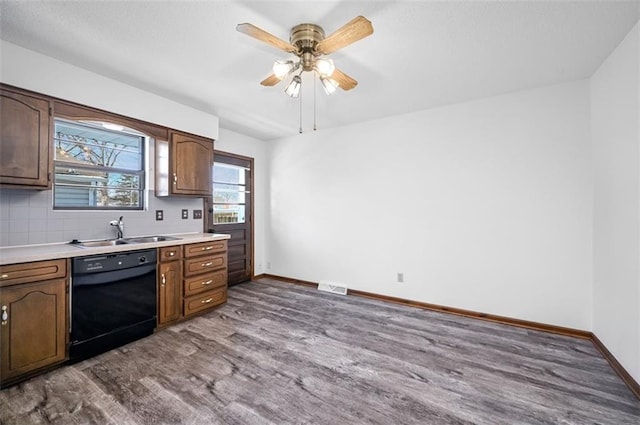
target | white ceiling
[{"x": 421, "y": 55}]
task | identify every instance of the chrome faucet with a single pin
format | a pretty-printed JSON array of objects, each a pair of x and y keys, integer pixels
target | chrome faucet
[{"x": 120, "y": 225}]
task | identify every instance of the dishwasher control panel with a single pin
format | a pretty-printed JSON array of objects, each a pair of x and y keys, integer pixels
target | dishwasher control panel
[{"x": 110, "y": 262}]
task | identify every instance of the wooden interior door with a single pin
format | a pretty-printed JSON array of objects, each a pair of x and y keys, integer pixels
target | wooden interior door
[{"x": 230, "y": 211}]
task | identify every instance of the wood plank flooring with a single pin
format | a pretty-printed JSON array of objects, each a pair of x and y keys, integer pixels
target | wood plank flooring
[{"x": 277, "y": 353}]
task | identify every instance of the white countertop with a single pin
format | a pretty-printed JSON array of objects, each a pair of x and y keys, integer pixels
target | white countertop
[{"x": 28, "y": 253}]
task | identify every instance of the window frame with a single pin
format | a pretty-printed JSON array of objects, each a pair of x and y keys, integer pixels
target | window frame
[
  {"x": 246, "y": 192},
  {"x": 141, "y": 173}
]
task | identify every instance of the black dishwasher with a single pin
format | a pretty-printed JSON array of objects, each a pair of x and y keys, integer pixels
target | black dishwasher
[{"x": 113, "y": 301}]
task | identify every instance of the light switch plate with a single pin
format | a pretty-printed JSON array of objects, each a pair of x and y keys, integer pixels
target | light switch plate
[
  {"x": 185, "y": 214},
  {"x": 159, "y": 215},
  {"x": 197, "y": 214}
]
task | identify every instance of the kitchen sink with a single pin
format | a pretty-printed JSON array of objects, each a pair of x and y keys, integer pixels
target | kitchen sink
[
  {"x": 94, "y": 244},
  {"x": 145, "y": 239},
  {"x": 124, "y": 241}
]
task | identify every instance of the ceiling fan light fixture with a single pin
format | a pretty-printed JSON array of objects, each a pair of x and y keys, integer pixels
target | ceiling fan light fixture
[
  {"x": 293, "y": 89},
  {"x": 282, "y": 68},
  {"x": 329, "y": 85},
  {"x": 325, "y": 67}
]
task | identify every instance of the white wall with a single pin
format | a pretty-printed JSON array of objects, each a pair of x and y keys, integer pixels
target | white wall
[
  {"x": 615, "y": 118},
  {"x": 485, "y": 205},
  {"x": 240, "y": 144},
  {"x": 43, "y": 74}
]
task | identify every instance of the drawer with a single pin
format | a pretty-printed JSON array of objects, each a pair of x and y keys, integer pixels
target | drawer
[
  {"x": 198, "y": 265},
  {"x": 14, "y": 274},
  {"x": 203, "y": 248},
  {"x": 205, "y": 282},
  {"x": 204, "y": 301},
  {"x": 169, "y": 253}
]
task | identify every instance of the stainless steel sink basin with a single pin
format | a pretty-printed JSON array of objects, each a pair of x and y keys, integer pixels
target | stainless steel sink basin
[
  {"x": 124, "y": 241},
  {"x": 145, "y": 239},
  {"x": 94, "y": 244}
]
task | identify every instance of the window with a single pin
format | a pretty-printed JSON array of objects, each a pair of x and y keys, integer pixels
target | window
[
  {"x": 229, "y": 190},
  {"x": 97, "y": 166}
]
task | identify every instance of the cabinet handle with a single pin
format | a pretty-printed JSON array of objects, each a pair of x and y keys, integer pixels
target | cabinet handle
[
  {"x": 208, "y": 282},
  {"x": 175, "y": 178},
  {"x": 207, "y": 301},
  {"x": 171, "y": 254},
  {"x": 209, "y": 264},
  {"x": 5, "y": 315},
  {"x": 164, "y": 279},
  {"x": 4, "y": 276},
  {"x": 207, "y": 248}
]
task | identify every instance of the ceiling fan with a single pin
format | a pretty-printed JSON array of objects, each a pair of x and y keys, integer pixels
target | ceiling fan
[{"x": 309, "y": 44}]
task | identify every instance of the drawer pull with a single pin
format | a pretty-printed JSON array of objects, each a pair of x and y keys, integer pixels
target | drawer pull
[
  {"x": 171, "y": 254},
  {"x": 164, "y": 279},
  {"x": 207, "y": 301},
  {"x": 5, "y": 315},
  {"x": 207, "y": 248},
  {"x": 4, "y": 276},
  {"x": 208, "y": 282},
  {"x": 209, "y": 264}
]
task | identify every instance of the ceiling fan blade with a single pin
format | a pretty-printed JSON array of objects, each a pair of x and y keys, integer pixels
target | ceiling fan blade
[
  {"x": 346, "y": 82},
  {"x": 260, "y": 34},
  {"x": 354, "y": 30},
  {"x": 271, "y": 80}
]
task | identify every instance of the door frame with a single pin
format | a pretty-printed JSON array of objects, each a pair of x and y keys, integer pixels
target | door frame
[{"x": 208, "y": 202}]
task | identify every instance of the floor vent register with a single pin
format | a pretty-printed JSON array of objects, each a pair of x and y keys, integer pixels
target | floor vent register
[{"x": 332, "y": 287}]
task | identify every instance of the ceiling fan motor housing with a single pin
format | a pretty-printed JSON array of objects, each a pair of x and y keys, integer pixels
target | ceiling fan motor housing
[{"x": 305, "y": 37}]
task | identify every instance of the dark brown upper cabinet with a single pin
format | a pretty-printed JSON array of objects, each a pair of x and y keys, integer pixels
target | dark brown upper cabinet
[
  {"x": 184, "y": 162},
  {"x": 184, "y": 166},
  {"x": 26, "y": 126}
]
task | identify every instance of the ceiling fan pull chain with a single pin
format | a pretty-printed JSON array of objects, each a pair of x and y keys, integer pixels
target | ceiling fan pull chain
[
  {"x": 300, "y": 97},
  {"x": 314, "y": 105}
]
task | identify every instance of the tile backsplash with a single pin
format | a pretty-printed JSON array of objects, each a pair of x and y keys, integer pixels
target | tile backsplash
[{"x": 27, "y": 217}]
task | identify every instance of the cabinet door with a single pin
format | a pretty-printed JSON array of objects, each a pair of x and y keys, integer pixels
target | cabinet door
[
  {"x": 34, "y": 333},
  {"x": 191, "y": 161},
  {"x": 25, "y": 129},
  {"x": 169, "y": 291}
]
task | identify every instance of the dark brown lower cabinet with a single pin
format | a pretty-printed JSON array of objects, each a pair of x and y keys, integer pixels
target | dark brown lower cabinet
[
  {"x": 191, "y": 279},
  {"x": 169, "y": 285},
  {"x": 33, "y": 331},
  {"x": 205, "y": 276},
  {"x": 169, "y": 292}
]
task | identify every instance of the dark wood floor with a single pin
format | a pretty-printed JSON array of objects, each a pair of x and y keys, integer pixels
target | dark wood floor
[{"x": 283, "y": 354}]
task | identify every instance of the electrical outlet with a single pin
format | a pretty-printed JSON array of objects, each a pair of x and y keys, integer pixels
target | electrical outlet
[
  {"x": 400, "y": 277},
  {"x": 159, "y": 215},
  {"x": 197, "y": 214},
  {"x": 185, "y": 214},
  {"x": 269, "y": 265}
]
